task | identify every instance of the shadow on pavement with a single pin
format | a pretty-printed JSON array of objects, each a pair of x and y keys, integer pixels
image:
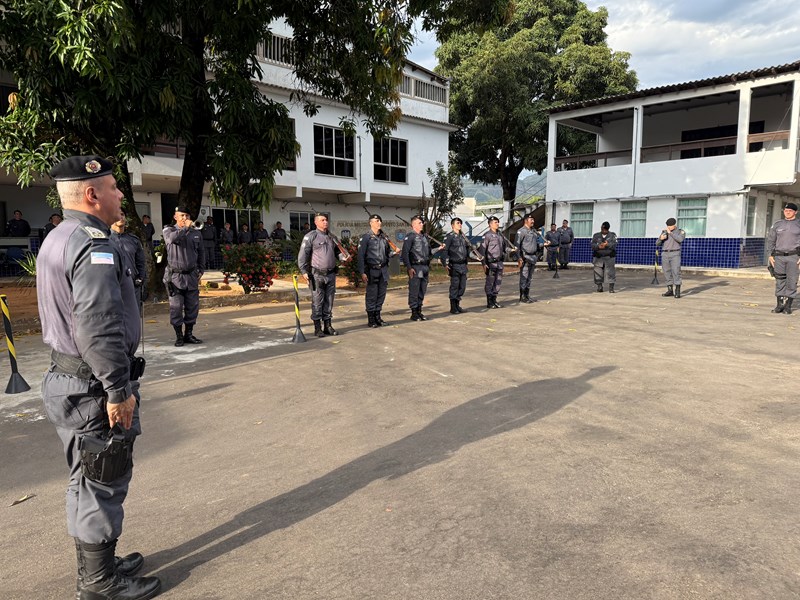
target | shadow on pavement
[{"x": 478, "y": 419}]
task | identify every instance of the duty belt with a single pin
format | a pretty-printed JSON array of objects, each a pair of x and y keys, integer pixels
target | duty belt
[
  {"x": 778, "y": 253},
  {"x": 323, "y": 271},
  {"x": 421, "y": 264},
  {"x": 72, "y": 365},
  {"x": 675, "y": 250},
  {"x": 458, "y": 262},
  {"x": 378, "y": 266},
  {"x": 182, "y": 272}
]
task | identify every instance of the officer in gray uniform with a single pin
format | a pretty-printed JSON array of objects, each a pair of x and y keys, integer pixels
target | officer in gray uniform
[
  {"x": 185, "y": 260},
  {"x": 132, "y": 251},
  {"x": 209, "y": 235},
  {"x": 528, "y": 242},
  {"x": 374, "y": 252},
  {"x": 670, "y": 241},
  {"x": 783, "y": 248},
  {"x": 604, "y": 253},
  {"x": 566, "y": 237},
  {"x": 493, "y": 250},
  {"x": 90, "y": 319},
  {"x": 454, "y": 259},
  {"x": 417, "y": 259},
  {"x": 553, "y": 238},
  {"x": 317, "y": 263}
]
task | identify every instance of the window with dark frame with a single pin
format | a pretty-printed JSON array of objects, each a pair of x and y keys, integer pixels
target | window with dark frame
[
  {"x": 391, "y": 160},
  {"x": 334, "y": 152}
]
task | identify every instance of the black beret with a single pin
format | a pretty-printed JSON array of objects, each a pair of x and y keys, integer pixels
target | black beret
[
  {"x": 493, "y": 218},
  {"x": 791, "y": 206},
  {"x": 378, "y": 217},
  {"x": 184, "y": 210},
  {"x": 77, "y": 168},
  {"x": 671, "y": 221},
  {"x": 418, "y": 218}
]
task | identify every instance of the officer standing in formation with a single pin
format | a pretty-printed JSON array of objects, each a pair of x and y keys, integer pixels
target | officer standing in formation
[
  {"x": 185, "y": 260},
  {"x": 783, "y": 248},
  {"x": 226, "y": 235},
  {"x": 566, "y": 237},
  {"x": 90, "y": 319},
  {"x": 417, "y": 259},
  {"x": 493, "y": 249},
  {"x": 604, "y": 252},
  {"x": 133, "y": 253},
  {"x": 670, "y": 241},
  {"x": 18, "y": 227},
  {"x": 528, "y": 242},
  {"x": 373, "y": 264},
  {"x": 149, "y": 232},
  {"x": 244, "y": 236},
  {"x": 553, "y": 238},
  {"x": 317, "y": 263},
  {"x": 454, "y": 258},
  {"x": 209, "y": 235}
]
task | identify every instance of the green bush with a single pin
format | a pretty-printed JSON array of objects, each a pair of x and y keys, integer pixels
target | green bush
[
  {"x": 253, "y": 265},
  {"x": 349, "y": 268}
]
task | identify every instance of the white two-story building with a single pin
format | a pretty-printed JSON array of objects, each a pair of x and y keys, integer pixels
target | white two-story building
[
  {"x": 334, "y": 173},
  {"x": 719, "y": 154}
]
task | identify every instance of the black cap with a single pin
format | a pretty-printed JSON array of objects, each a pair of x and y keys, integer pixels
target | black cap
[
  {"x": 605, "y": 225},
  {"x": 671, "y": 221},
  {"x": 527, "y": 216},
  {"x": 493, "y": 218},
  {"x": 791, "y": 206},
  {"x": 77, "y": 168},
  {"x": 418, "y": 218},
  {"x": 378, "y": 217},
  {"x": 183, "y": 209}
]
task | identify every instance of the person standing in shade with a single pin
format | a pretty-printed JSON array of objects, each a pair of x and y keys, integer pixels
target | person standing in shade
[
  {"x": 90, "y": 319},
  {"x": 528, "y": 243},
  {"x": 604, "y": 252},
  {"x": 244, "y": 236},
  {"x": 373, "y": 264},
  {"x": 416, "y": 257},
  {"x": 260, "y": 235},
  {"x": 18, "y": 227},
  {"x": 493, "y": 249},
  {"x": 52, "y": 223},
  {"x": 226, "y": 236},
  {"x": 553, "y": 240},
  {"x": 317, "y": 262},
  {"x": 783, "y": 248},
  {"x": 566, "y": 237},
  {"x": 454, "y": 258},
  {"x": 279, "y": 233},
  {"x": 149, "y": 232},
  {"x": 671, "y": 240},
  {"x": 132, "y": 251},
  {"x": 209, "y": 235},
  {"x": 185, "y": 260}
]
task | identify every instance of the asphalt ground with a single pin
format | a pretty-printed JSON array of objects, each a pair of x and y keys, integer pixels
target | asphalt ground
[{"x": 588, "y": 446}]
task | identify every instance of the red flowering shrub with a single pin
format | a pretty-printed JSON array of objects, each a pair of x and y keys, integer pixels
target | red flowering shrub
[{"x": 253, "y": 265}]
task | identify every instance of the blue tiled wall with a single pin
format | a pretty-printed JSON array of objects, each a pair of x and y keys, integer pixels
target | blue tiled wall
[{"x": 727, "y": 253}]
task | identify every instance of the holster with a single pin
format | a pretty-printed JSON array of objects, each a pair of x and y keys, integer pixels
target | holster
[
  {"x": 137, "y": 368},
  {"x": 106, "y": 459},
  {"x": 171, "y": 289}
]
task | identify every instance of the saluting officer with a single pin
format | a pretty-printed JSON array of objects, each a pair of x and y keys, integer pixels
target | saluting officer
[
  {"x": 417, "y": 259},
  {"x": 373, "y": 264},
  {"x": 554, "y": 238},
  {"x": 528, "y": 243},
  {"x": 604, "y": 252},
  {"x": 317, "y": 263},
  {"x": 454, "y": 258},
  {"x": 185, "y": 260},
  {"x": 493, "y": 249},
  {"x": 671, "y": 240},
  {"x": 90, "y": 319},
  {"x": 783, "y": 248}
]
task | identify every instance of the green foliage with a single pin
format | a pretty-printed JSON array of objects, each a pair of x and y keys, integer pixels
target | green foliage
[
  {"x": 349, "y": 268},
  {"x": 28, "y": 266},
  {"x": 505, "y": 81},
  {"x": 287, "y": 267},
  {"x": 254, "y": 265}
]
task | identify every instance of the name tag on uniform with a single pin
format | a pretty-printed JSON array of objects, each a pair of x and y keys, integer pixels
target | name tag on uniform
[{"x": 102, "y": 258}]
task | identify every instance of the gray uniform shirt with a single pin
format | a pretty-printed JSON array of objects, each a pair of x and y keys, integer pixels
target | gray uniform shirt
[
  {"x": 185, "y": 257},
  {"x": 598, "y": 238},
  {"x": 87, "y": 302},
  {"x": 528, "y": 243},
  {"x": 372, "y": 250},
  {"x": 674, "y": 239},
  {"x": 565, "y": 235},
  {"x": 494, "y": 246},
  {"x": 456, "y": 248},
  {"x": 317, "y": 251},
  {"x": 783, "y": 237},
  {"x": 554, "y": 237},
  {"x": 134, "y": 253}
]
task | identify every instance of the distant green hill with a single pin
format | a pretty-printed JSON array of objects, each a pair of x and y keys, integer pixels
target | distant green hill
[{"x": 530, "y": 187}]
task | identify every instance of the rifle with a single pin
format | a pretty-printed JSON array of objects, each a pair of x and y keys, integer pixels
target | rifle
[
  {"x": 655, "y": 262},
  {"x": 345, "y": 254},
  {"x": 508, "y": 241},
  {"x": 381, "y": 234}
]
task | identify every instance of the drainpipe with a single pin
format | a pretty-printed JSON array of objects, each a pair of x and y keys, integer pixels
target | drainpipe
[
  {"x": 635, "y": 152},
  {"x": 359, "y": 164}
]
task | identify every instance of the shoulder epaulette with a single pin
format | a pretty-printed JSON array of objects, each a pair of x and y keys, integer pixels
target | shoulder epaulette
[{"x": 95, "y": 233}]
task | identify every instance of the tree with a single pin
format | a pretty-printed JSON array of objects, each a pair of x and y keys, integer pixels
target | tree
[
  {"x": 505, "y": 80},
  {"x": 445, "y": 196}
]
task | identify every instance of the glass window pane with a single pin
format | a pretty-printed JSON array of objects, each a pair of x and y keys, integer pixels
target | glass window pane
[{"x": 319, "y": 145}]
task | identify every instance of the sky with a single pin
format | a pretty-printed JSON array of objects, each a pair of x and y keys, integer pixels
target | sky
[{"x": 673, "y": 41}]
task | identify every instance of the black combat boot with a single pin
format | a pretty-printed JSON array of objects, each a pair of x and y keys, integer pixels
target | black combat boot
[
  {"x": 494, "y": 303},
  {"x": 101, "y": 581},
  {"x": 668, "y": 292},
  {"x": 599, "y": 287},
  {"x": 458, "y": 306},
  {"x": 380, "y": 322},
  {"x": 126, "y": 566},
  {"x": 528, "y": 298},
  {"x": 778, "y": 307},
  {"x": 787, "y": 307},
  {"x": 522, "y": 296},
  {"x": 371, "y": 319},
  {"x": 453, "y": 306},
  {"x": 421, "y": 316},
  {"x": 677, "y": 291},
  {"x": 189, "y": 338},
  {"x": 415, "y": 316},
  {"x": 178, "y": 335},
  {"x": 489, "y": 301},
  {"x": 318, "y": 328},
  {"x": 611, "y": 288},
  {"x": 329, "y": 330}
]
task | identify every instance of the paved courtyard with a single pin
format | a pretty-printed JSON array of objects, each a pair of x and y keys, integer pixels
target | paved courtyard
[{"x": 588, "y": 446}]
